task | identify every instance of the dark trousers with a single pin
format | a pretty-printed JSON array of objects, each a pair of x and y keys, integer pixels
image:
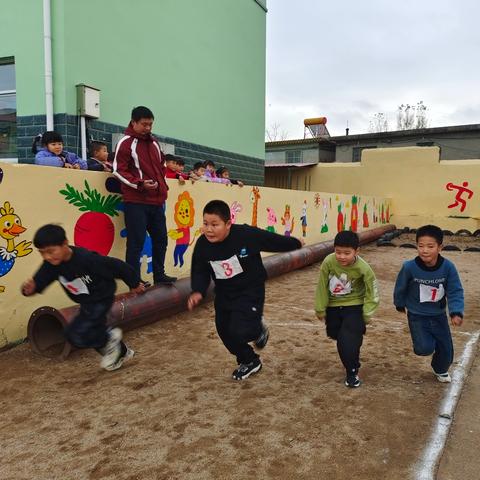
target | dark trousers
[
  {"x": 139, "y": 219},
  {"x": 347, "y": 327},
  {"x": 89, "y": 328},
  {"x": 432, "y": 335},
  {"x": 239, "y": 322}
]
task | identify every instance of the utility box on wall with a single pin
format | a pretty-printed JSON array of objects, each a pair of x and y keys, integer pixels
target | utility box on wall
[{"x": 88, "y": 101}]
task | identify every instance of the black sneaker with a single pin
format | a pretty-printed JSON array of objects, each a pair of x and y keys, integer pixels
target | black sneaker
[
  {"x": 244, "y": 370},
  {"x": 262, "y": 339},
  {"x": 165, "y": 280},
  {"x": 352, "y": 380}
]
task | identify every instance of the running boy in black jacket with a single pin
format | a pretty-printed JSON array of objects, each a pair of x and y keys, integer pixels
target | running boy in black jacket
[
  {"x": 88, "y": 279},
  {"x": 230, "y": 254}
]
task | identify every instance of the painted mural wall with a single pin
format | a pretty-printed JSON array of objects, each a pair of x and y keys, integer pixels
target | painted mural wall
[
  {"x": 423, "y": 189},
  {"x": 88, "y": 206}
]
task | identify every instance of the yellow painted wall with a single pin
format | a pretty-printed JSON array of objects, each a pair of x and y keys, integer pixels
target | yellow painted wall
[
  {"x": 415, "y": 180},
  {"x": 35, "y": 195}
]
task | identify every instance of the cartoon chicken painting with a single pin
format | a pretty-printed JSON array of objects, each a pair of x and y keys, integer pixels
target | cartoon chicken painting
[{"x": 10, "y": 228}]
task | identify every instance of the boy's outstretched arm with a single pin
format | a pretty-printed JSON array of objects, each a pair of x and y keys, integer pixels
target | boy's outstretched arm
[
  {"x": 199, "y": 278},
  {"x": 400, "y": 290},
  {"x": 372, "y": 298},
  {"x": 273, "y": 242},
  {"x": 28, "y": 287}
]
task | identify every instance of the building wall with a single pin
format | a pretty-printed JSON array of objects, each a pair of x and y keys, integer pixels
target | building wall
[
  {"x": 200, "y": 66},
  {"x": 415, "y": 179},
  {"x": 453, "y": 145},
  {"x": 40, "y": 195}
]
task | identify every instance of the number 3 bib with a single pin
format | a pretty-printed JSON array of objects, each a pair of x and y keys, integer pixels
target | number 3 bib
[{"x": 225, "y": 269}]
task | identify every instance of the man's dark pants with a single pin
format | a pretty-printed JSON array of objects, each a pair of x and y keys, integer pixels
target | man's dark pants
[{"x": 139, "y": 219}]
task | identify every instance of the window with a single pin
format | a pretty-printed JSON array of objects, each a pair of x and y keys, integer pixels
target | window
[
  {"x": 294, "y": 156},
  {"x": 8, "y": 109},
  {"x": 357, "y": 153}
]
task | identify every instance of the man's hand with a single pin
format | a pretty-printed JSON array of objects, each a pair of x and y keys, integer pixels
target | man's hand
[
  {"x": 140, "y": 288},
  {"x": 456, "y": 320},
  {"x": 150, "y": 185},
  {"x": 194, "y": 299},
  {"x": 320, "y": 316},
  {"x": 28, "y": 287}
]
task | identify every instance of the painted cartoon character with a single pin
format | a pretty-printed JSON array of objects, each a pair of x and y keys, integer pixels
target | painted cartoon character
[
  {"x": 254, "y": 197},
  {"x": 288, "y": 221},
  {"x": 184, "y": 217},
  {"x": 271, "y": 219},
  {"x": 10, "y": 228},
  {"x": 325, "y": 205},
  {"x": 340, "y": 219},
  {"x": 365, "y": 217},
  {"x": 303, "y": 219},
  {"x": 354, "y": 214},
  {"x": 235, "y": 209}
]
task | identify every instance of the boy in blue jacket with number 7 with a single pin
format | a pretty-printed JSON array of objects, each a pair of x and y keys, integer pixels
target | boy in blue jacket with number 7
[{"x": 423, "y": 288}]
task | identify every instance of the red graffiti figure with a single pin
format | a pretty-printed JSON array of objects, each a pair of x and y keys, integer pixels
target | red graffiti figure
[{"x": 458, "y": 197}]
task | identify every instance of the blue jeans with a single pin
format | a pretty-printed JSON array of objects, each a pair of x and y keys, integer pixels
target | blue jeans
[{"x": 432, "y": 335}]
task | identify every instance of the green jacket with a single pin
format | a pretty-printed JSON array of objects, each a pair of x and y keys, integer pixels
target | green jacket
[{"x": 340, "y": 286}]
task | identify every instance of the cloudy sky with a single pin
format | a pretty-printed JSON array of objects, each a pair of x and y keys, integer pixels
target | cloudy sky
[{"x": 348, "y": 60}]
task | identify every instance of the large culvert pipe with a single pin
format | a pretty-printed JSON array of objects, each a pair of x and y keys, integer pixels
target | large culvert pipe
[{"x": 45, "y": 327}]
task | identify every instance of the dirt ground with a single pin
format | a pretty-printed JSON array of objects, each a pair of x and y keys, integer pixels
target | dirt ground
[{"x": 175, "y": 413}]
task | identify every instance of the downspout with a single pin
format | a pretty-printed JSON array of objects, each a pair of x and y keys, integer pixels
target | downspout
[{"x": 47, "y": 46}]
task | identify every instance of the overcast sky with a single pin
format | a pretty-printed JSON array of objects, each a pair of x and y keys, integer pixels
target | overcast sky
[{"x": 348, "y": 60}]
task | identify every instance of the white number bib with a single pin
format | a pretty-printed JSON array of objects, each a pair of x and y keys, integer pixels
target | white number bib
[
  {"x": 339, "y": 286},
  {"x": 431, "y": 294},
  {"x": 225, "y": 269},
  {"x": 75, "y": 287}
]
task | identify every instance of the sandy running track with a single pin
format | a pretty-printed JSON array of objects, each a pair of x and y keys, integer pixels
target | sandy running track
[{"x": 174, "y": 412}]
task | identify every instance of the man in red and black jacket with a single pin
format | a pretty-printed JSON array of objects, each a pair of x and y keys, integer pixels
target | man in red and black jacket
[{"x": 139, "y": 164}]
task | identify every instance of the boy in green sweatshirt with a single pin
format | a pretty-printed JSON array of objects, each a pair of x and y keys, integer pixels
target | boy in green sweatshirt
[{"x": 346, "y": 298}]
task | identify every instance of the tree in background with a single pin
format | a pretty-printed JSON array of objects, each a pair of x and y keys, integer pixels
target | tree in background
[
  {"x": 273, "y": 133},
  {"x": 379, "y": 123},
  {"x": 411, "y": 117}
]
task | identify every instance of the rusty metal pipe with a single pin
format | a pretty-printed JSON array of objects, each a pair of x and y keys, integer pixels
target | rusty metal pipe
[{"x": 45, "y": 327}]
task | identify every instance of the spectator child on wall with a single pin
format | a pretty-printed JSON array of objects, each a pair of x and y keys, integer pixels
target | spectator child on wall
[
  {"x": 52, "y": 153},
  {"x": 98, "y": 160}
]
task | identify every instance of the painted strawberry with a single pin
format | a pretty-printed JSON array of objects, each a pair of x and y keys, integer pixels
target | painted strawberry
[{"x": 94, "y": 229}]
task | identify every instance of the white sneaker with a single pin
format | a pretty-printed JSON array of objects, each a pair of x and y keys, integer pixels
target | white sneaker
[
  {"x": 443, "y": 377},
  {"x": 121, "y": 360},
  {"x": 111, "y": 351}
]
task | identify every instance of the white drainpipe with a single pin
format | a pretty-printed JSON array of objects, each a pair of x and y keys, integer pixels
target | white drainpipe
[{"x": 47, "y": 45}]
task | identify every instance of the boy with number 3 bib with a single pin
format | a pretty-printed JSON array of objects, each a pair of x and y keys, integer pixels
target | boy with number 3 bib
[
  {"x": 230, "y": 254},
  {"x": 423, "y": 288}
]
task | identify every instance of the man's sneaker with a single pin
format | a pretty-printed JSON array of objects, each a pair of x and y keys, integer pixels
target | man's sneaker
[
  {"x": 165, "y": 280},
  {"x": 352, "y": 380},
  {"x": 111, "y": 351},
  {"x": 262, "y": 340},
  {"x": 244, "y": 370},
  {"x": 129, "y": 353},
  {"x": 443, "y": 377}
]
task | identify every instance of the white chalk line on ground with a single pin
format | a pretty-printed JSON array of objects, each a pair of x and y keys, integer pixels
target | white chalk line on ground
[{"x": 427, "y": 465}]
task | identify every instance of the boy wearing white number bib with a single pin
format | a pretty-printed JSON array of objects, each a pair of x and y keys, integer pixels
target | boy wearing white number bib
[
  {"x": 230, "y": 255},
  {"x": 424, "y": 287}
]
